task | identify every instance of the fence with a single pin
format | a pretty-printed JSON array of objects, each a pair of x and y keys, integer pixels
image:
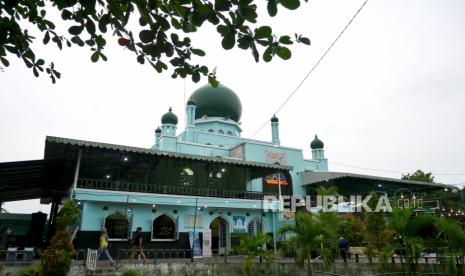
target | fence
[
  {"x": 165, "y": 189},
  {"x": 14, "y": 257}
]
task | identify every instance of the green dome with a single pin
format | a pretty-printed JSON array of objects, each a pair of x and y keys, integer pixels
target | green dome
[
  {"x": 274, "y": 119},
  {"x": 158, "y": 130},
  {"x": 169, "y": 118},
  {"x": 217, "y": 102},
  {"x": 317, "y": 143}
]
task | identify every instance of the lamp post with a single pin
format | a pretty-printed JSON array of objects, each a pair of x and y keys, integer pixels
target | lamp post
[{"x": 193, "y": 236}]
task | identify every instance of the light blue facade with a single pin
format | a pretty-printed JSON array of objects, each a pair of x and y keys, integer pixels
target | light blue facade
[{"x": 207, "y": 136}]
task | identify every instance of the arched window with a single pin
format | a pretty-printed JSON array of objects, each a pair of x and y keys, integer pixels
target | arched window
[
  {"x": 211, "y": 130},
  {"x": 163, "y": 228},
  {"x": 220, "y": 131},
  {"x": 117, "y": 226},
  {"x": 254, "y": 227},
  {"x": 230, "y": 133},
  {"x": 186, "y": 177}
]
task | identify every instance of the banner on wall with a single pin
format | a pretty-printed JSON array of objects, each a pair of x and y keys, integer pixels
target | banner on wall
[
  {"x": 196, "y": 241},
  {"x": 239, "y": 224},
  {"x": 207, "y": 243}
]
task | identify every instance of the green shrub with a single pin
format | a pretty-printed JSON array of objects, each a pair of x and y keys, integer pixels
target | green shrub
[
  {"x": 57, "y": 258},
  {"x": 30, "y": 271},
  {"x": 131, "y": 272}
]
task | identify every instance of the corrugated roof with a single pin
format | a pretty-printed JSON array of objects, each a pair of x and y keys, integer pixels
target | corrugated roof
[
  {"x": 216, "y": 159},
  {"x": 309, "y": 178}
]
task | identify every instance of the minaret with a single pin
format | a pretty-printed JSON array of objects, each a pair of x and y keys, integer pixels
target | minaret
[
  {"x": 317, "y": 149},
  {"x": 275, "y": 130},
  {"x": 190, "y": 120},
  {"x": 157, "y": 138},
  {"x": 168, "y": 131}
]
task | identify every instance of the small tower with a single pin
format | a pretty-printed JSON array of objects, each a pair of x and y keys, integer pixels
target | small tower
[
  {"x": 190, "y": 120},
  {"x": 275, "y": 130},
  {"x": 157, "y": 138},
  {"x": 168, "y": 131},
  {"x": 317, "y": 149}
]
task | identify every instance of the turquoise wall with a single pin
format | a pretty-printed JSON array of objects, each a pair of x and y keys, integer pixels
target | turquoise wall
[{"x": 141, "y": 205}]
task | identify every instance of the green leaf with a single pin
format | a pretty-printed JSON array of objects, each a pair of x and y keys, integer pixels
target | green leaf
[
  {"x": 285, "y": 39},
  {"x": 213, "y": 81},
  {"x": 268, "y": 54},
  {"x": 203, "y": 70},
  {"x": 272, "y": 7},
  {"x": 284, "y": 53},
  {"x": 244, "y": 42},
  {"x": 146, "y": 36},
  {"x": 75, "y": 30},
  {"x": 255, "y": 53},
  {"x": 104, "y": 57},
  {"x": 66, "y": 14},
  {"x": 290, "y": 4},
  {"x": 77, "y": 40},
  {"x": 164, "y": 24},
  {"x": 36, "y": 73},
  {"x": 95, "y": 56},
  {"x": 304, "y": 40},
  {"x": 46, "y": 38},
  {"x": 90, "y": 26},
  {"x": 222, "y": 5},
  {"x": 198, "y": 52},
  {"x": 5, "y": 61},
  {"x": 196, "y": 76},
  {"x": 40, "y": 62},
  {"x": 103, "y": 22},
  {"x": 228, "y": 41},
  {"x": 142, "y": 21},
  {"x": 263, "y": 32},
  {"x": 176, "y": 24}
]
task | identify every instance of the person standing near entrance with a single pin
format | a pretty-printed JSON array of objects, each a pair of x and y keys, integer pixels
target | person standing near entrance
[
  {"x": 103, "y": 247},
  {"x": 343, "y": 245},
  {"x": 138, "y": 245}
]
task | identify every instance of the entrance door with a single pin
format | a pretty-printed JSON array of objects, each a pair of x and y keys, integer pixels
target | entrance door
[{"x": 220, "y": 235}]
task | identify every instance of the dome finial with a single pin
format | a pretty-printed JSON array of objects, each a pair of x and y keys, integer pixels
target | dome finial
[
  {"x": 317, "y": 143},
  {"x": 170, "y": 109}
]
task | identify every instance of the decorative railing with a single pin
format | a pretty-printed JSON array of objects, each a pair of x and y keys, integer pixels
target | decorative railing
[{"x": 164, "y": 189}]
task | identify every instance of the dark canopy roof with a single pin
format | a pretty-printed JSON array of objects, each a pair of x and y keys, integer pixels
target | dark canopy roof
[
  {"x": 32, "y": 179},
  {"x": 56, "y": 147},
  {"x": 362, "y": 184}
]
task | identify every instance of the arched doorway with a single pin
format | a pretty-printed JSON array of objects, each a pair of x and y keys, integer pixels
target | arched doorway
[{"x": 220, "y": 236}]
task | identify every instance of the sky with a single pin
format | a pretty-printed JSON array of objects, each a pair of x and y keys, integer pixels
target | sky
[{"x": 388, "y": 98}]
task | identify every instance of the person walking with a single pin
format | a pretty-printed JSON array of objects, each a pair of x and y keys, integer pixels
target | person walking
[
  {"x": 103, "y": 247},
  {"x": 138, "y": 246},
  {"x": 343, "y": 245}
]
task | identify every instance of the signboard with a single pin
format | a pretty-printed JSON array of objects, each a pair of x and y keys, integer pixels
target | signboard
[
  {"x": 276, "y": 157},
  {"x": 189, "y": 221},
  {"x": 197, "y": 249},
  {"x": 239, "y": 224},
  {"x": 207, "y": 243}
]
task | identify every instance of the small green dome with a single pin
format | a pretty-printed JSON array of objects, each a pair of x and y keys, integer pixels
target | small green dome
[
  {"x": 158, "y": 130},
  {"x": 190, "y": 101},
  {"x": 317, "y": 143},
  {"x": 274, "y": 119},
  {"x": 217, "y": 102},
  {"x": 169, "y": 118}
]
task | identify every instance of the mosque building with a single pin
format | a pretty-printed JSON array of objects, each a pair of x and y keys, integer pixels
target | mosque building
[{"x": 206, "y": 181}]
